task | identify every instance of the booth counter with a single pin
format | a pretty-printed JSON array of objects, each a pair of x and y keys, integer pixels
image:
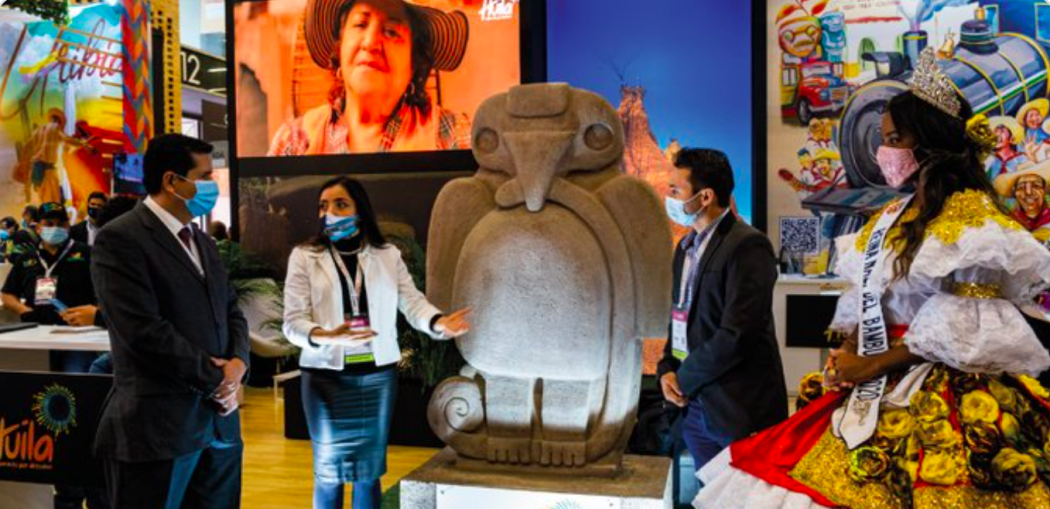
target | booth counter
[{"x": 47, "y": 420}]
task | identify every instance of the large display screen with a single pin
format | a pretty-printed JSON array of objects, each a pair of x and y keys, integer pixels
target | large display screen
[
  {"x": 327, "y": 77},
  {"x": 680, "y": 71}
]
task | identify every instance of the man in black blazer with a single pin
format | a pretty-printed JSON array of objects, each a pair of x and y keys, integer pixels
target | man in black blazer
[
  {"x": 721, "y": 364},
  {"x": 86, "y": 230},
  {"x": 169, "y": 436}
]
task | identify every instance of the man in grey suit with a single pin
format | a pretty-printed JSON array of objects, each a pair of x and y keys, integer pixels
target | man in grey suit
[{"x": 169, "y": 436}]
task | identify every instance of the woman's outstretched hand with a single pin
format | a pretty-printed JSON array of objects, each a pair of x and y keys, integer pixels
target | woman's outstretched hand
[
  {"x": 455, "y": 324},
  {"x": 341, "y": 335}
]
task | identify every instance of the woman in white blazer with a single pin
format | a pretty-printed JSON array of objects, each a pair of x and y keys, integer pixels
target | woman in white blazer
[{"x": 342, "y": 294}]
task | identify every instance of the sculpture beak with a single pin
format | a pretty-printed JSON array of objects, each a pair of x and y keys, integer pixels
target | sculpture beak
[{"x": 537, "y": 157}]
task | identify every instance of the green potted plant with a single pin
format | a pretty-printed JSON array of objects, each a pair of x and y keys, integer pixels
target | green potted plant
[{"x": 261, "y": 298}]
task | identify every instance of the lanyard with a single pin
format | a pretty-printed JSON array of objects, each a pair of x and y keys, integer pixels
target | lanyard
[
  {"x": 49, "y": 268},
  {"x": 354, "y": 284},
  {"x": 688, "y": 287}
]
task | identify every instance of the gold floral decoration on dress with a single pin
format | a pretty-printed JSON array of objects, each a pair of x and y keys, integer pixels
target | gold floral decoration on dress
[
  {"x": 963, "y": 210},
  {"x": 966, "y": 441},
  {"x": 1034, "y": 386},
  {"x": 978, "y": 406}
]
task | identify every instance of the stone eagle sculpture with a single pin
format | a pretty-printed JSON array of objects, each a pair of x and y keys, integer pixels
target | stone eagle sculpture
[{"x": 566, "y": 263}]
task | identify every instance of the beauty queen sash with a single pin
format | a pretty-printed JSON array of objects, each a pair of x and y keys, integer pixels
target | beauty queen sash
[{"x": 857, "y": 424}]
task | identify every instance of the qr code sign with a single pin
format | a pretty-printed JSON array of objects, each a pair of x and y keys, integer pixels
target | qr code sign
[{"x": 800, "y": 235}]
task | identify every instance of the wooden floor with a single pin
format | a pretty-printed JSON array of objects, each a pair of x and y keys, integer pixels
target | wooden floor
[{"x": 278, "y": 473}]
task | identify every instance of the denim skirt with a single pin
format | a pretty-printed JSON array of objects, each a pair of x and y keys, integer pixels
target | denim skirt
[{"x": 349, "y": 419}]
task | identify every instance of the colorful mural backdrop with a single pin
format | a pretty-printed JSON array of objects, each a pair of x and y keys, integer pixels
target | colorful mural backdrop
[
  {"x": 61, "y": 111},
  {"x": 835, "y": 63}
]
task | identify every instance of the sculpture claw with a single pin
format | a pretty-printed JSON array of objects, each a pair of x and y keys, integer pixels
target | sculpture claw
[
  {"x": 563, "y": 454},
  {"x": 515, "y": 451}
]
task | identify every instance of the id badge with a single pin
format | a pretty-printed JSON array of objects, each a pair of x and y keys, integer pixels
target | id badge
[
  {"x": 679, "y": 341},
  {"x": 46, "y": 288},
  {"x": 363, "y": 353},
  {"x": 359, "y": 324}
]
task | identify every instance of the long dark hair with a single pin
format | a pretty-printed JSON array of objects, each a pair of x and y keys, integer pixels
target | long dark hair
[
  {"x": 949, "y": 162},
  {"x": 367, "y": 223},
  {"x": 416, "y": 96}
]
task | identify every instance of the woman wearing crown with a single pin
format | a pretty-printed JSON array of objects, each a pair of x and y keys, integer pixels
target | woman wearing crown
[{"x": 931, "y": 405}]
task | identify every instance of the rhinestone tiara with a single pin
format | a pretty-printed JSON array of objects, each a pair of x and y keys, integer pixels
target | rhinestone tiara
[{"x": 930, "y": 84}]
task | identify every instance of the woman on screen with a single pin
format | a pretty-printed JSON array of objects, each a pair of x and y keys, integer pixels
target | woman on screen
[{"x": 381, "y": 54}]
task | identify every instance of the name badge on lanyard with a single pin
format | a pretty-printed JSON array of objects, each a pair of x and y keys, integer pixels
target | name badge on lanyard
[
  {"x": 356, "y": 320},
  {"x": 680, "y": 313},
  {"x": 679, "y": 339},
  {"x": 47, "y": 285}
]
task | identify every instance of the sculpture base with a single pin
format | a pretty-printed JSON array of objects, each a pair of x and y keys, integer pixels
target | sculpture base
[
  {"x": 608, "y": 469},
  {"x": 642, "y": 482}
]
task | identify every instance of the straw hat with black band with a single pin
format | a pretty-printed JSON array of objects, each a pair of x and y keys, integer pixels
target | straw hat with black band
[{"x": 449, "y": 31}]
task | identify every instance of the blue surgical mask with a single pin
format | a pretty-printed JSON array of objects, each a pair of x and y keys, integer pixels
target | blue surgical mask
[
  {"x": 4, "y": 235},
  {"x": 676, "y": 211},
  {"x": 54, "y": 235},
  {"x": 340, "y": 227},
  {"x": 204, "y": 201}
]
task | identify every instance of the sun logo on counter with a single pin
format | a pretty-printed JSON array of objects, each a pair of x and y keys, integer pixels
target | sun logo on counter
[
  {"x": 567, "y": 504},
  {"x": 55, "y": 409}
]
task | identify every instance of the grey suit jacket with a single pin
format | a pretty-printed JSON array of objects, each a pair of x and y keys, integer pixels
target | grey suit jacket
[{"x": 166, "y": 323}]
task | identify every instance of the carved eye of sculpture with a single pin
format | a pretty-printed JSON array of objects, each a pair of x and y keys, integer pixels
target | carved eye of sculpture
[
  {"x": 487, "y": 141},
  {"x": 598, "y": 137}
]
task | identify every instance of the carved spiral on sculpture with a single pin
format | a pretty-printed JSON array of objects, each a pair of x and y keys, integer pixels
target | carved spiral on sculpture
[{"x": 456, "y": 407}]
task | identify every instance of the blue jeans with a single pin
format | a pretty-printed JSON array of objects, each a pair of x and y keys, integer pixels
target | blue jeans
[
  {"x": 367, "y": 495},
  {"x": 703, "y": 442},
  {"x": 71, "y": 361},
  {"x": 103, "y": 365}
]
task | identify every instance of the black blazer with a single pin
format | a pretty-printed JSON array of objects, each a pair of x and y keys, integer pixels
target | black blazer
[
  {"x": 166, "y": 322},
  {"x": 734, "y": 365},
  {"x": 79, "y": 232}
]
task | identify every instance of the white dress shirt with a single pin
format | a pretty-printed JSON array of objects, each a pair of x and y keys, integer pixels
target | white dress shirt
[
  {"x": 92, "y": 232},
  {"x": 175, "y": 226}
]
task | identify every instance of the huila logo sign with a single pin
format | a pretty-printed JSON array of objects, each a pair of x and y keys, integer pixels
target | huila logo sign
[
  {"x": 495, "y": 10},
  {"x": 29, "y": 442}
]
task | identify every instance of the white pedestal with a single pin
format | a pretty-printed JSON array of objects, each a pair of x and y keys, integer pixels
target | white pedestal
[{"x": 644, "y": 483}]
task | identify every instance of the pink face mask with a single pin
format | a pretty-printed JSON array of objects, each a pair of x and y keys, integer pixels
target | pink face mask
[{"x": 897, "y": 165}]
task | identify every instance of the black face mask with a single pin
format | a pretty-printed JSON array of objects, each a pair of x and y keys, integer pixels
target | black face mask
[{"x": 94, "y": 212}]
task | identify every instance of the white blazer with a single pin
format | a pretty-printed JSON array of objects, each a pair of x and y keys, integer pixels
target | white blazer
[{"x": 313, "y": 298}]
